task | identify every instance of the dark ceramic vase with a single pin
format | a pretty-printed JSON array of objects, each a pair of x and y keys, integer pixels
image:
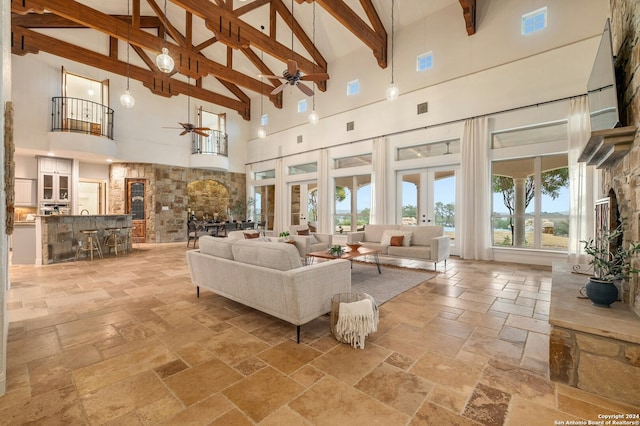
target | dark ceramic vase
[{"x": 601, "y": 292}]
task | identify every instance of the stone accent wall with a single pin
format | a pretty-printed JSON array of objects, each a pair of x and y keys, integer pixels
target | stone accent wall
[
  {"x": 596, "y": 364},
  {"x": 624, "y": 177},
  {"x": 167, "y": 198}
]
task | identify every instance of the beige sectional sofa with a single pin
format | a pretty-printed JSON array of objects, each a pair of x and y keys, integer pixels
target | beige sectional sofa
[
  {"x": 269, "y": 277},
  {"x": 315, "y": 241},
  {"x": 419, "y": 242}
]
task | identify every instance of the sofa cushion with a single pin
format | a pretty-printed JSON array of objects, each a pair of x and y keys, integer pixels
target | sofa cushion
[
  {"x": 422, "y": 235},
  {"x": 218, "y": 247},
  {"x": 387, "y": 234},
  {"x": 374, "y": 233},
  {"x": 414, "y": 252},
  {"x": 282, "y": 257}
]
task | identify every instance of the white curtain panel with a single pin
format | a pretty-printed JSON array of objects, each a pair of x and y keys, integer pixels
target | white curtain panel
[
  {"x": 325, "y": 206},
  {"x": 280, "y": 220},
  {"x": 582, "y": 187},
  {"x": 379, "y": 191},
  {"x": 475, "y": 177}
]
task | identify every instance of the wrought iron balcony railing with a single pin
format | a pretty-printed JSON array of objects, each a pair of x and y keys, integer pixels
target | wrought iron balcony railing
[
  {"x": 81, "y": 115},
  {"x": 215, "y": 144}
]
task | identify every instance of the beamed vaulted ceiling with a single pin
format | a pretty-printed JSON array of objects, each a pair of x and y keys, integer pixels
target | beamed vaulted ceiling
[{"x": 219, "y": 46}]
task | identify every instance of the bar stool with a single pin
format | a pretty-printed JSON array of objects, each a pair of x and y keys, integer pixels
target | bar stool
[
  {"x": 112, "y": 239},
  {"x": 91, "y": 244}
]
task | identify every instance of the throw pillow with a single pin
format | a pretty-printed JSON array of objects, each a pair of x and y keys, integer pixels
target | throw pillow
[
  {"x": 387, "y": 234},
  {"x": 396, "y": 240},
  {"x": 303, "y": 231},
  {"x": 251, "y": 235}
]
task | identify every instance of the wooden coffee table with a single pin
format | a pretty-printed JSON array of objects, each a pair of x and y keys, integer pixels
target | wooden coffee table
[{"x": 348, "y": 255}]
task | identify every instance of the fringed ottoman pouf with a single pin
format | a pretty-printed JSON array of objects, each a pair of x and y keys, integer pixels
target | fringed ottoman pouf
[{"x": 353, "y": 317}]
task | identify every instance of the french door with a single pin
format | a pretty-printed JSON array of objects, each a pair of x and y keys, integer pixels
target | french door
[
  {"x": 428, "y": 197},
  {"x": 303, "y": 206}
]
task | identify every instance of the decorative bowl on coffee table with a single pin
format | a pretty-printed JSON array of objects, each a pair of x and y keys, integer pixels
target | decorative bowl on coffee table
[{"x": 354, "y": 246}]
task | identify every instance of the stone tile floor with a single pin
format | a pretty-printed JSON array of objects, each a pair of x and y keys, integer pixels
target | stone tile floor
[{"x": 125, "y": 341}]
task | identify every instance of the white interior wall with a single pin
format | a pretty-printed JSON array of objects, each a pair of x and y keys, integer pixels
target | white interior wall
[{"x": 138, "y": 132}]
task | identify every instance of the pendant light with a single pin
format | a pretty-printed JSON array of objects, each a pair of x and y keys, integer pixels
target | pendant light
[
  {"x": 163, "y": 60},
  {"x": 314, "y": 117},
  {"x": 127, "y": 100},
  {"x": 392, "y": 91},
  {"x": 262, "y": 132}
]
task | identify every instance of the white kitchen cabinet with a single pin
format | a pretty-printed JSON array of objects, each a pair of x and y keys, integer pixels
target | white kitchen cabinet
[
  {"x": 25, "y": 192},
  {"x": 54, "y": 180}
]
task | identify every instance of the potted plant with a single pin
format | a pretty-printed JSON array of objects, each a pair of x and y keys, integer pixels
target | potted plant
[
  {"x": 611, "y": 263},
  {"x": 335, "y": 250}
]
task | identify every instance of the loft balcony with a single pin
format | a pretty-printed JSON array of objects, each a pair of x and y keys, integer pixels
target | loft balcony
[
  {"x": 81, "y": 129},
  {"x": 210, "y": 152}
]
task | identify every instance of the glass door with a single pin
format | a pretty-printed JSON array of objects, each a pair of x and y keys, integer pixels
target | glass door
[
  {"x": 303, "y": 202},
  {"x": 428, "y": 197}
]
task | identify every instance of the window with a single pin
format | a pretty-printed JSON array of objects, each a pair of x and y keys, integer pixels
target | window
[
  {"x": 355, "y": 161},
  {"x": 534, "y": 21},
  {"x": 352, "y": 203},
  {"x": 424, "y": 61},
  {"x": 264, "y": 120},
  {"x": 267, "y": 174},
  {"x": 353, "y": 87},
  {"x": 555, "y": 132},
  {"x": 302, "y": 106},
  {"x": 519, "y": 186},
  {"x": 429, "y": 150},
  {"x": 303, "y": 168}
]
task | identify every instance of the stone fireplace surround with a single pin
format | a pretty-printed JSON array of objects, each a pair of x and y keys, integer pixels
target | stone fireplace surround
[{"x": 592, "y": 348}]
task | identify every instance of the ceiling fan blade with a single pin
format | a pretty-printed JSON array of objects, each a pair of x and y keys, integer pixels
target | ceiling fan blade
[
  {"x": 201, "y": 133},
  {"x": 184, "y": 132},
  {"x": 315, "y": 77},
  {"x": 279, "y": 89},
  {"x": 306, "y": 90},
  {"x": 292, "y": 66},
  {"x": 271, "y": 76}
]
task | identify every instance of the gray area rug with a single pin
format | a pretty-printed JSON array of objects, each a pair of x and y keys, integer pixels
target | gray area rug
[{"x": 385, "y": 286}]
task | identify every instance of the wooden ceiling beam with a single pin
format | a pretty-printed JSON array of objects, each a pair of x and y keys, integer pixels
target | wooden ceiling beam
[
  {"x": 51, "y": 20},
  {"x": 375, "y": 39},
  {"x": 166, "y": 24},
  {"x": 469, "y": 13},
  {"x": 250, "y": 6},
  {"x": 114, "y": 27},
  {"x": 162, "y": 83},
  {"x": 237, "y": 33}
]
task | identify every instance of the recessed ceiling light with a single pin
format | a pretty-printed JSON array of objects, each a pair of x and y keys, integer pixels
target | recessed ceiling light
[
  {"x": 109, "y": 160},
  {"x": 50, "y": 154}
]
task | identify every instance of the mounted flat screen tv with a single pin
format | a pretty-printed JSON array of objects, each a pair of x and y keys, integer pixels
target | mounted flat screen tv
[{"x": 601, "y": 87}]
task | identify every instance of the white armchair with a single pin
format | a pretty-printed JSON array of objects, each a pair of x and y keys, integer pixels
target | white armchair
[{"x": 308, "y": 243}]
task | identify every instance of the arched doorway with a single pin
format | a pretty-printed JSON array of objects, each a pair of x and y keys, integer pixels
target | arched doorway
[{"x": 208, "y": 199}]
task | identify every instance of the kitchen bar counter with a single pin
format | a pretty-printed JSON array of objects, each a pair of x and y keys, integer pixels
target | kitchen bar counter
[{"x": 57, "y": 235}]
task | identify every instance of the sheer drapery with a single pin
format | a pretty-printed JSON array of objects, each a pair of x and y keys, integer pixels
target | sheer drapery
[
  {"x": 279, "y": 220},
  {"x": 582, "y": 188},
  {"x": 379, "y": 191},
  {"x": 325, "y": 207},
  {"x": 475, "y": 177}
]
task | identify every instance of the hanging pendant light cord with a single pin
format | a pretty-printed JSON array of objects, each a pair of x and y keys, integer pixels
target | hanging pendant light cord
[
  {"x": 261, "y": 85},
  {"x": 392, "y": 31},
  {"x": 128, "y": 42},
  {"x": 313, "y": 67},
  {"x": 164, "y": 27}
]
